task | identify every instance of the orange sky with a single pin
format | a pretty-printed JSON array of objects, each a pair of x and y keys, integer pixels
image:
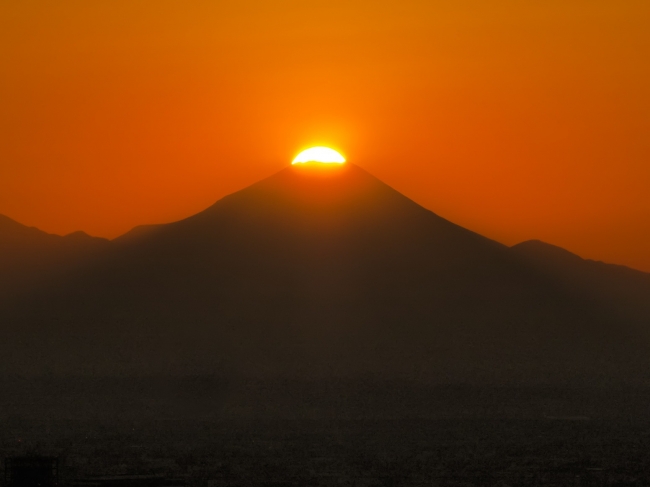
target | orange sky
[{"x": 516, "y": 119}]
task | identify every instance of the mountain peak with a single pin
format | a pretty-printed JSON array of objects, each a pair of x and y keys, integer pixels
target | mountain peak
[
  {"x": 322, "y": 186},
  {"x": 545, "y": 250},
  {"x": 323, "y": 271},
  {"x": 339, "y": 205}
]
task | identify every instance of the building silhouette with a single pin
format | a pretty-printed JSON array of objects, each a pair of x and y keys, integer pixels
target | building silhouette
[
  {"x": 129, "y": 481},
  {"x": 31, "y": 471}
]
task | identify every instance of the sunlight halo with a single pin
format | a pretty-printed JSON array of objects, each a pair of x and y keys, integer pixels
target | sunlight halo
[{"x": 319, "y": 154}]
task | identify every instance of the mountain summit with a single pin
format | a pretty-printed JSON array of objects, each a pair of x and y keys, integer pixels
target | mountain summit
[{"x": 323, "y": 273}]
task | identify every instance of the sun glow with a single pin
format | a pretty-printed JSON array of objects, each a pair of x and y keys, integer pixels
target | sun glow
[{"x": 319, "y": 154}]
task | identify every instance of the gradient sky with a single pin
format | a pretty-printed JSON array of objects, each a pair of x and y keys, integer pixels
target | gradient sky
[{"x": 516, "y": 119}]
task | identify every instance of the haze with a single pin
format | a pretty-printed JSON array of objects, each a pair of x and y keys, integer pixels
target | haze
[{"x": 513, "y": 119}]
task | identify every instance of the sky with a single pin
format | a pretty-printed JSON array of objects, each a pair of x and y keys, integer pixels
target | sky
[{"x": 516, "y": 119}]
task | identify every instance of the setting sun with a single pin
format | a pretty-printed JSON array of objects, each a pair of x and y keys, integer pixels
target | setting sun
[{"x": 319, "y": 154}]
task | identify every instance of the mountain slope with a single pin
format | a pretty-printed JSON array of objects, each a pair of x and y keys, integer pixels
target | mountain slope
[
  {"x": 30, "y": 257},
  {"x": 624, "y": 291},
  {"x": 321, "y": 273}
]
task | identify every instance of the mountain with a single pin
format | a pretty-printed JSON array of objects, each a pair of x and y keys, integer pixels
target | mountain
[
  {"x": 325, "y": 273},
  {"x": 30, "y": 257},
  {"x": 624, "y": 291}
]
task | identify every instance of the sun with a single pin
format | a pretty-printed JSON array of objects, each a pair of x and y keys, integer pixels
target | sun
[{"x": 319, "y": 154}]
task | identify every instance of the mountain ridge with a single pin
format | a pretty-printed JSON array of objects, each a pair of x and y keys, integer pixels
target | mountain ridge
[
  {"x": 314, "y": 273},
  {"x": 30, "y": 257}
]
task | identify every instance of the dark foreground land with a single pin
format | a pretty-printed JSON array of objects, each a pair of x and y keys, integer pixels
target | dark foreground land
[
  {"x": 327, "y": 435},
  {"x": 378, "y": 452}
]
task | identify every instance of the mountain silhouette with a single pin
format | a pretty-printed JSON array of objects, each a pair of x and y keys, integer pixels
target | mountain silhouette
[
  {"x": 29, "y": 257},
  {"x": 326, "y": 272},
  {"x": 624, "y": 291}
]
